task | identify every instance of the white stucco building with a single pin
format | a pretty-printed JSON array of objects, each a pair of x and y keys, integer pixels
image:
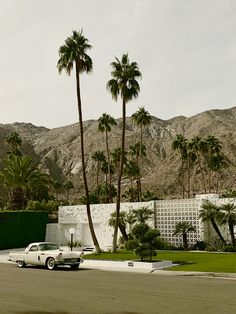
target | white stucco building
[{"x": 166, "y": 214}]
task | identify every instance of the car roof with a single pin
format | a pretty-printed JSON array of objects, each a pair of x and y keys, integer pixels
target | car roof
[{"x": 38, "y": 243}]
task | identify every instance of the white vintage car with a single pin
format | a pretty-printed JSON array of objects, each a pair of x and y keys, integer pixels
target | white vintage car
[{"x": 48, "y": 254}]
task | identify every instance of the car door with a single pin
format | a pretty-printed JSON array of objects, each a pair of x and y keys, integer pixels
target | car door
[{"x": 31, "y": 256}]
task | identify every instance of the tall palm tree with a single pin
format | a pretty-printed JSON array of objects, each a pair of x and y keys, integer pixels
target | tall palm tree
[
  {"x": 99, "y": 157},
  {"x": 74, "y": 53},
  {"x": 218, "y": 162},
  {"x": 123, "y": 83},
  {"x": 21, "y": 177},
  {"x": 14, "y": 140},
  {"x": 116, "y": 157},
  {"x": 191, "y": 162},
  {"x": 183, "y": 228},
  {"x": 105, "y": 122},
  {"x": 141, "y": 118},
  {"x": 210, "y": 212},
  {"x": 180, "y": 145},
  {"x": 214, "y": 147},
  {"x": 68, "y": 185},
  {"x": 122, "y": 223},
  {"x": 198, "y": 146},
  {"x": 132, "y": 171},
  {"x": 228, "y": 216},
  {"x": 106, "y": 169},
  {"x": 136, "y": 151},
  {"x": 57, "y": 186}
]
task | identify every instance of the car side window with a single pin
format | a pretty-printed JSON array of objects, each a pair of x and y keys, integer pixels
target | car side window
[{"x": 33, "y": 248}]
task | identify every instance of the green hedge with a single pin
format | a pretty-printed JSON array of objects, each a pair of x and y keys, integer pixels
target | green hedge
[{"x": 19, "y": 228}]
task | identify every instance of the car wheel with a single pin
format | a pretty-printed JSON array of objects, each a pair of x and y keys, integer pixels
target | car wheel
[
  {"x": 74, "y": 267},
  {"x": 50, "y": 263},
  {"x": 20, "y": 264}
]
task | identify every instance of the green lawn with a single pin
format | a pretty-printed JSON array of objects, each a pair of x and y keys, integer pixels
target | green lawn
[{"x": 190, "y": 261}]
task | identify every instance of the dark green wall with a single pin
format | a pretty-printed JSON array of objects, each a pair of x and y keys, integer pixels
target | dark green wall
[{"x": 19, "y": 228}]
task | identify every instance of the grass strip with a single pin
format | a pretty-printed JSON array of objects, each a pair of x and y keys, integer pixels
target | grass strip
[{"x": 189, "y": 261}]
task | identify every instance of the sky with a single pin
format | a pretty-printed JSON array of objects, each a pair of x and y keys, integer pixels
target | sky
[{"x": 185, "y": 50}]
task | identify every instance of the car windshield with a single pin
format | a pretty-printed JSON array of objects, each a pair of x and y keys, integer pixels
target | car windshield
[{"x": 48, "y": 246}]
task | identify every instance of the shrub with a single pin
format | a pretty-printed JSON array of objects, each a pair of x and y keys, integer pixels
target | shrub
[{"x": 144, "y": 241}]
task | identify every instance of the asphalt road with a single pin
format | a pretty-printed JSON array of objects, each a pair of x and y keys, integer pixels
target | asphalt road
[{"x": 39, "y": 291}]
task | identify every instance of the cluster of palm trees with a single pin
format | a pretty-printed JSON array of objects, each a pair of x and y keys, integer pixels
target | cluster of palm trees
[
  {"x": 139, "y": 215},
  {"x": 123, "y": 84},
  {"x": 24, "y": 182},
  {"x": 21, "y": 177},
  {"x": 108, "y": 163},
  {"x": 200, "y": 157},
  {"x": 222, "y": 215}
]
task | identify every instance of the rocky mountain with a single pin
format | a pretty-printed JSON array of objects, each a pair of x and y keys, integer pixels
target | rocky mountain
[{"x": 58, "y": 149}]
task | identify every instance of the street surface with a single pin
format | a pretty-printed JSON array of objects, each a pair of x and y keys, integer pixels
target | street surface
[{"x": 34, "y": 290}]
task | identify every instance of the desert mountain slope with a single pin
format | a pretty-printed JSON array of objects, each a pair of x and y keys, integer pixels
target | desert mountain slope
[{"x": 58, "y": 149}]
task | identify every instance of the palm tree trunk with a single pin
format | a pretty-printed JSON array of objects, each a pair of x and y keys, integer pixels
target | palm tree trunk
[
  {"x": 109, "y": 165},
  {"x": 214, "y": 225},
  {"x": 97, "y": 178},
  {"x": 119, "y": 178},
  {"x": 140, "y": 157},
  {"x": 202, "y": 173},
  {"x": 123, "y": 232},
  {"x": 95, "y": 241},
  {"x": 189, "y": 177},
  {"x": 185, "y": 240},
  {"x": 231, "y": 231},
  {"x": 182, "y": 177}
]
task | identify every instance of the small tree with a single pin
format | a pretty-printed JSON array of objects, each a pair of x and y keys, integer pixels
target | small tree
[
  {"x": 142, "y": 214},
  {"x": 183, "y": 228},
  {"x": 144, "y": 241},
  {"x": 122, "y": 223}
]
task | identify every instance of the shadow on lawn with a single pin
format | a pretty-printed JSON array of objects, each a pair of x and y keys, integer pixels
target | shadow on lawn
[{"x": 183, "y": 262}]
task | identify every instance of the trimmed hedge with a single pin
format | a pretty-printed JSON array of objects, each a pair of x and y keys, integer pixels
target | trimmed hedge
[{"x": 19, "y": 228}]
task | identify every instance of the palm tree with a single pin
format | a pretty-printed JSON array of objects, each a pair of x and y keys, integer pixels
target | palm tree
[
  {"x": 210, "y": 212},
  {"x": 106, "y": 169},
  {"x": 141, "y": 118},
  {"x": 191, "y": 162},
  {"x": 123, "y": 83},
  {"x": 218, "y": 162},
  {"x": 67, "y": 185},
  {"x": 183, "y": 228},
  {"x": 99, "y": 157},
  {"x": 57, "y": 186},
  {"x": 180, "y": 145},
  {"x": 136, "y": 151},
  {"x": 122, "y": 223},
  {"x": 74, "y": 53},
  {"x": 198, "y": 146},
  {"x": 14, "y": 140},
  {"x": 116, "y": 157},
  {"x": 22, "y": 177},
  {"x": 105, "y": 122},
  {"x": 142, "y": 214},
  {"x": 213, "y": 148},
  {"x": 228, "y": 216},
  {"x": 132, "y": 171}
]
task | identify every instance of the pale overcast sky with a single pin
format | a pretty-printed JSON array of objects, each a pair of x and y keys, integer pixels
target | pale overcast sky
[{"x": 185, "y": 49}]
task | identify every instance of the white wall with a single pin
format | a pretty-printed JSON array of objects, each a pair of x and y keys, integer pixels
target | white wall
[{"x": 167, "y": 214}]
